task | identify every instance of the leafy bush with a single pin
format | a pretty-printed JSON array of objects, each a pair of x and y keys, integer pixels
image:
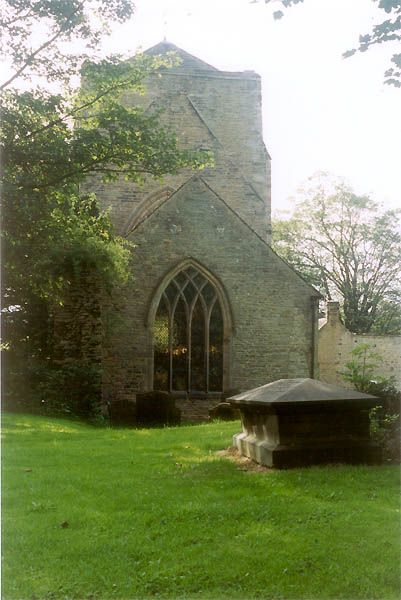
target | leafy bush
[
  {"x": 71, "y": 389},
  {"x": 362, "y": 372},
  {"x": 362, "y": 369},
  {"x": 385, "y": 424}
]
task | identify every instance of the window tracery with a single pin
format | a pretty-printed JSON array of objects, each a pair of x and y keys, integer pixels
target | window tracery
[{"x": 188, "y": 335}]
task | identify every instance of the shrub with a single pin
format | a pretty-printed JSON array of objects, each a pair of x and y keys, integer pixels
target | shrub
[
  {"x": 73, "y": 389},
  {"x": 362, "y": 372},
  {"x": 385, "y": 422},
  {"x": 363, "y": 368}
]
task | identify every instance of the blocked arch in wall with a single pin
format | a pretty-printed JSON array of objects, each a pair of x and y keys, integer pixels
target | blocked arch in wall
[
  {"x": 146, "y": 207},
  {"x": 190, "y": 324}
]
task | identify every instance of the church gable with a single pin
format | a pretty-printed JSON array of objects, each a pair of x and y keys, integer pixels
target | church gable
[
  {"x": 226, "y": 180},
  {"x": 197, "y": 214},
  {"x": 270, "y": 333}
]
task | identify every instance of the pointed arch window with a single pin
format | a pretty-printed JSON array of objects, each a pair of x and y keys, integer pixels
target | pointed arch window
[{"x": 188, "y": 336}]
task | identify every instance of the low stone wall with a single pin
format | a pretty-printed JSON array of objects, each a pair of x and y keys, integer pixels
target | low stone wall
[{"x": 336, "y": 344}]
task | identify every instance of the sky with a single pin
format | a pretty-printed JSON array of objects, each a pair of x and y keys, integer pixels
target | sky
[{"x": 320, "y": 112}]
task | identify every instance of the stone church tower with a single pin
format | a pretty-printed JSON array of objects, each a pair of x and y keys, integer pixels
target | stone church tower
[{"x": 211, "y": 307}]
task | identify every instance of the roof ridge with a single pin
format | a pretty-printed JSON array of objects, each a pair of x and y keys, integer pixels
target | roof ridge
[
  {"x": 197, "y": 177},
  {"x": 260, "y": 238}
]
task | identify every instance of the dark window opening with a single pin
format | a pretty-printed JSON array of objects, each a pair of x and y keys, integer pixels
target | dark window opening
[{"x": 188, "y": 336}]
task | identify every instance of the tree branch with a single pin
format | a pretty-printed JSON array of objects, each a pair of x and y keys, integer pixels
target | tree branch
[{"x": 45, "y": 45}]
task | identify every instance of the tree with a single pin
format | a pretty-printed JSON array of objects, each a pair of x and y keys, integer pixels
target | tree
[
  {"x": 55, "y": 236},
  {"x": 41, "y": 37},
  {"x": 388, "y": 30},
  {"x": 349, "y": 249},
  {"x": 50, "y": 227}
]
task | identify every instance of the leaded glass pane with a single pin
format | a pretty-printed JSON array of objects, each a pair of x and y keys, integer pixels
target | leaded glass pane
[
  {"x": 190, "y": 292},
  {"x": 189, "y": 343},
  {"x": 180, "y": 348},
  {"x": 181, "y": 278},
  {"x": 171, "y": 292},
  {"x": 198, "y": 280},
  {"x": 208, "y": 293},
  {"x": 198, "y": 364},
  {"x": 216, "y": 349},
  {"x": 161, "y": 348}
]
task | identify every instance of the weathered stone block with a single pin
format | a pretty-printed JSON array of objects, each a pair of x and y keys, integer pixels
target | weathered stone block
[{"x": 301, "y": 422}]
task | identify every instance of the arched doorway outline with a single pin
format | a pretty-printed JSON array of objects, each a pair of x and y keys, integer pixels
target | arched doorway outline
[{"x": 228, "y": 322}]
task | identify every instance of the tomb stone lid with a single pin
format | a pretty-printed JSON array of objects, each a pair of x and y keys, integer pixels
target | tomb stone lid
[{"x": 294, "y": 391}]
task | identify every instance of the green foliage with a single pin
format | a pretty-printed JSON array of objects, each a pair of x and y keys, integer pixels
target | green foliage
[
  {"x": 71, "y": 389},
  {"x": 48, "y": 221},
  {"x": 348, "y": 248},
  {"x": 388, "y": 320},
  {"x": 385, "y": 423},
  {"x": 362, "y": 372},
  {"x": 55, "y": 236},
  {"x": 388, "y": 30},
  {"x": 118, "y": 513},
  {"x": 363, "y": 367},
  {"x": 51, "y": 38},
  {"x": 385, "y": 420}
]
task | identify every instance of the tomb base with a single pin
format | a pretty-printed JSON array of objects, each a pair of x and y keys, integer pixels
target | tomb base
[{"x": 283, "y": 456}]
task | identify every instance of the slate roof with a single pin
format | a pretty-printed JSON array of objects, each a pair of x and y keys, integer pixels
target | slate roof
[{"x": 290, "y": 391}]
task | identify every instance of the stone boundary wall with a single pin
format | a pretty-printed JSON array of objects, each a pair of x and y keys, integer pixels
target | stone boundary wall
[{"x": 336, "y": 344}]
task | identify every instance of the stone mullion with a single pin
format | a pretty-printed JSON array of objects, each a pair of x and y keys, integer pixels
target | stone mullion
[
  {"x": 207, "y": 321},
  {"x": 170, "y": 341},
  {"x": 191, "y": 311},
  {"x": 208, "y": 314},
  {"x": 189, "y": 358},
  {"x": 176, "y": 300},
  {"x": 207, "y": 308}
]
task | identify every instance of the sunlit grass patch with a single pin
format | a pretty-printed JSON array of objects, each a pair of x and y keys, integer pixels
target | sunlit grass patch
[{"x": 102, "y": 513}]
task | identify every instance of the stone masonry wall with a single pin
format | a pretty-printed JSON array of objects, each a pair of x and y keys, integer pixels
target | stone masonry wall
[
  {"x": 220, "y": 220},
  {"x": 336, "y": 344},
  {"x": 207, "y": 109},
  {"x": 78, "y": 329},
  {"x": 272, "y": 335}
]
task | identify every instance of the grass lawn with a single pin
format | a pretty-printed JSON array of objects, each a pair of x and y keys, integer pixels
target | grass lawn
[{"x": 93, "y": 513}]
